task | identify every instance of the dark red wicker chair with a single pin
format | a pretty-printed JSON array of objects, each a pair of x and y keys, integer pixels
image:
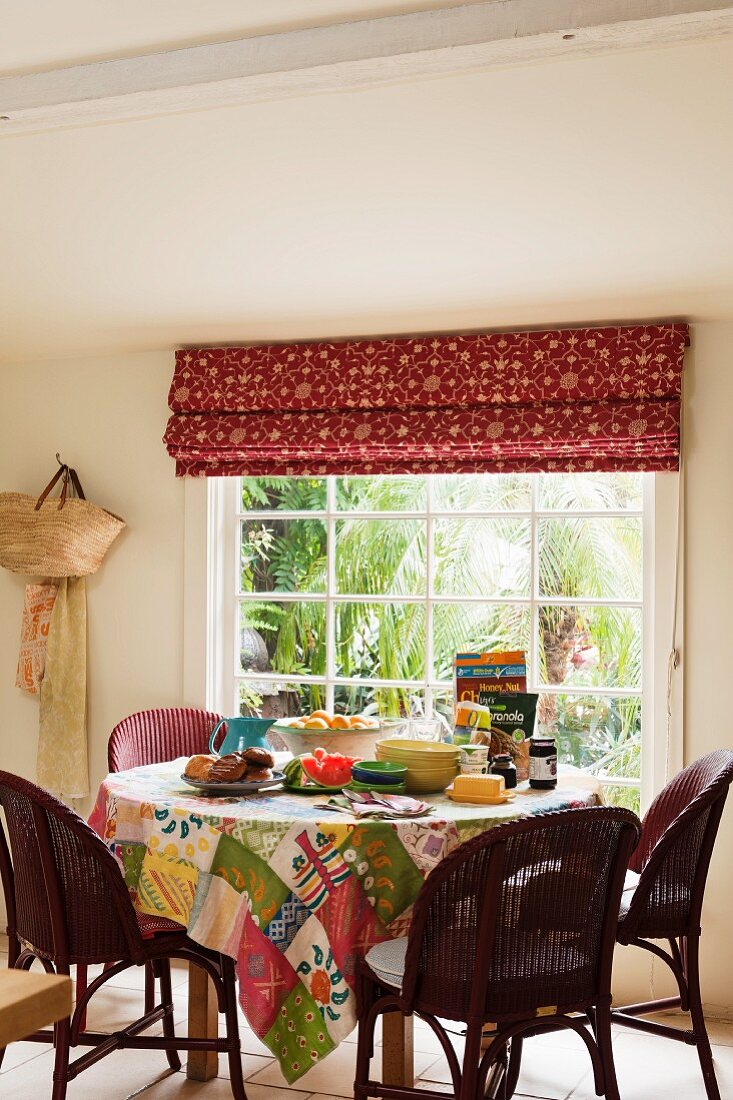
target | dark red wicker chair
[
  {"x": 68, "y": 905},
  {"x": 515, "y": 929},
  {"x": 154, "y": 736},
  {"x": 663, "y": 900}
]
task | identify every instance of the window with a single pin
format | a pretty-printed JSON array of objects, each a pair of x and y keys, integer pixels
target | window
[{"x": 355, "y": 593}]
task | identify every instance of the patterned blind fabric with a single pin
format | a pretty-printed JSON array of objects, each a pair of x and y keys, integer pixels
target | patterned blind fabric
[{"x": 564, "y": 400}]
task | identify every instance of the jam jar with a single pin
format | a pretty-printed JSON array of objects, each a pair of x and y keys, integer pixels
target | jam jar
[
  {"x": 502, "y": 764},
  {"x": 542, "y": 763}
]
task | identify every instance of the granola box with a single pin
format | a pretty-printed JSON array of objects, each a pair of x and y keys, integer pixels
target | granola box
[{"x": 502, "y": 672}]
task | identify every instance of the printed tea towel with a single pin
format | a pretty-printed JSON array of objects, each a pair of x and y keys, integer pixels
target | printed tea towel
[
  {"x": 62, "y": 736},
  {"x": 39, "y": 601}
]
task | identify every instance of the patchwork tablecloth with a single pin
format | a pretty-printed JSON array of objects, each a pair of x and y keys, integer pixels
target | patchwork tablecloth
[{"x": 294, "y": 893}]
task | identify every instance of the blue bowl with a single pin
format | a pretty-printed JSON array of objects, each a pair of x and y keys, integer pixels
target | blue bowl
[{"x": 382, "y": 772}]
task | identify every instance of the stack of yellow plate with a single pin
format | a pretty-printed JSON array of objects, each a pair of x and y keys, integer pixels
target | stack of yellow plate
[{"x": 431, "y": 765}]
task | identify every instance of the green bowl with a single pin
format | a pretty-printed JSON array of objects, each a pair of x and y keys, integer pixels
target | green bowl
[
  {"x": 364, "y": 770},
  {"x": 380, "y": 788}
]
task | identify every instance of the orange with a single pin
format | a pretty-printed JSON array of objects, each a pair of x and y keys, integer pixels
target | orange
[
  {"x": 314, "y": 723},
  {"x": 358, "y": 724},
  {"x": 321, "y": 714},
  {"x": 354, "y": 718},
  {"x": 340, "y": 722},
  {"x": 297, "y": 725}
]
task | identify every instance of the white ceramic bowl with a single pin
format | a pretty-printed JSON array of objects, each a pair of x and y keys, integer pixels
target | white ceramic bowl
[{"x": 361, "y": 743}]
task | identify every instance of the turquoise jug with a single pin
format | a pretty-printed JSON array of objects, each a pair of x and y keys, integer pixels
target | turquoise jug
[{"x": 240, "y": 734}]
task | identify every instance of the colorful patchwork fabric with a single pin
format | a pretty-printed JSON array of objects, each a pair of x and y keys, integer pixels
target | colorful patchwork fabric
[{"x": 295, "y": 894}]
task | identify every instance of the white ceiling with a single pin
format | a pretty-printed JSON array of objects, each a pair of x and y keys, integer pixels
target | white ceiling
[
  {"x": 579, "y": 189},
  {"x": 45, "y": 34}
]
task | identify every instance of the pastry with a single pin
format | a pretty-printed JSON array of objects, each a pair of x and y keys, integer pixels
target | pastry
[
  {"x": 260, "y": 758},
  {"x": 228, "y": 769},
  {"x": 258, "y": 775},
  {"x": 200, "y": 766}
]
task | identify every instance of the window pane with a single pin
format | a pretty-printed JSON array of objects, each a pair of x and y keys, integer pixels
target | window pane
[
  {"x": 382, "y": 641},
  {"x": 443, "y": 704},
  {"x": 593, "y": 732},
  {"x": 590, "y": 646},
  {"x": 283, "y": 555},
  {"x": 482, "y": 557},
  {"x": 598, "y": 558},
  {"x": 627, "y": 797},
  {"x": 282, "y": 637},
  {"x": 476, "y": 627},
  {"x": 386, "y": 493},
  {"x": 591, "y": 492},
  {"x": 378, "y": 701},
  {"x": 280, "y": 700},
  {"x": 481, "y": 492},
  {"x": 285, "y": 494},
  {"x": 381, "y": 557}
]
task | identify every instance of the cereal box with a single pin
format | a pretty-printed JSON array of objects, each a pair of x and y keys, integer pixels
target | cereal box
[{"x": 497, "y": 673}]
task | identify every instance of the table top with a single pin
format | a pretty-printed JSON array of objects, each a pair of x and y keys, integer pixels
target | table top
[
  {"x": 29, "y": 1001},
  {"x": 293, "y": 892},
  {"x": 161, "y": 784}
]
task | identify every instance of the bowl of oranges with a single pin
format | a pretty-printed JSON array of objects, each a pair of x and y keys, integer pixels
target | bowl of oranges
[{"x": 350, "y": 734}]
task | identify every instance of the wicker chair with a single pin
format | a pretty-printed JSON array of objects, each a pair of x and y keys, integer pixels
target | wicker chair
[
  {"x": 515, "y": 929},
  {"x": 664, "y": 895},
  {"x": 154, "y": 736},
  {"x": 67, "y": 905}
]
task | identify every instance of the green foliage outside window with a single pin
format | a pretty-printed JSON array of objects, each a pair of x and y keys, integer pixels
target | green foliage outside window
[{"x": 580, "y": 645}]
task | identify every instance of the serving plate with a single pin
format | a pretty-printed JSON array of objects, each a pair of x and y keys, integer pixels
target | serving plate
[
  {"x": 482, "y": 800},
  {"x": 242, "y": 787}
]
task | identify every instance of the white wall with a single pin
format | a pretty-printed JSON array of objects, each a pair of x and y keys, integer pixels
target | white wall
[{"x": 108, "y": 415}]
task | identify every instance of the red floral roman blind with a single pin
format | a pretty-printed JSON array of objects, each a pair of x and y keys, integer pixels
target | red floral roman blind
[{"x": 565, "y": 400}]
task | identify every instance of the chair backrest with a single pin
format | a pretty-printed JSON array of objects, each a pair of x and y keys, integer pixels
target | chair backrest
[
  {"x": 64, "y": 892},
  {"x": 154, "y": 736},
  {"x": 677, "y": 838},
  {"x": 522, "y": 917}
]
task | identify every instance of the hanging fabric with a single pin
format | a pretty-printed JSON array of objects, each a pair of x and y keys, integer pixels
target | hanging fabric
[
  {"x": 62, "y": 734},
  {"x": 37, "y": 610},
  {"x": 563, "y": 400}
]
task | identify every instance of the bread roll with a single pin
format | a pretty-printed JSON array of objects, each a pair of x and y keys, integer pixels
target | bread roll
[
  {"x": 258, "y": 775},
  {"x": 199, "y": 767},
  {"x": 260, "y": 758},
  {"x": 228, "y": 769}
]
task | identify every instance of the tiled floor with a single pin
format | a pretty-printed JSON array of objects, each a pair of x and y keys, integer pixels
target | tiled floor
[{"x": 555, "y": 1067}]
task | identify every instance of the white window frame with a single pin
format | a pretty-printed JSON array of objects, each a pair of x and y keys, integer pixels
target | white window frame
[{"x": 211, "y": 611}]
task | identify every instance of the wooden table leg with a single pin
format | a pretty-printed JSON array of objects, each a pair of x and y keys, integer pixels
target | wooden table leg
[
  {"x": 203, "y": 1022},
  {"x": 398, "y": 1064}
]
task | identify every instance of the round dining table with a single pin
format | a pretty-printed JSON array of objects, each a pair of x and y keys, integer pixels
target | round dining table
[{"x": 294, "y": 892}]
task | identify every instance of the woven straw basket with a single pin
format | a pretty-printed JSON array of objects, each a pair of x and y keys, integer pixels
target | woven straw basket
[{"x": 65, "y": 537}]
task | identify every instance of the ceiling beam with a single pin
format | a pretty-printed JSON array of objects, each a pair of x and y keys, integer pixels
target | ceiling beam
[{"x": 348, "y": 55}]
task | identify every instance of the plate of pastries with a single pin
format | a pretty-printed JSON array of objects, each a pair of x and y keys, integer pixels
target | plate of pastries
[{"x": 235, "y": 773}]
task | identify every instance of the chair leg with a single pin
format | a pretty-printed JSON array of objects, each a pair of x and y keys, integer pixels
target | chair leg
[
  {"x": 605, "y": 1049},
  {"x": 514, "y": 1067},
  {"x": 166, "y": 998},
  {"x": 471, "y": 1058},
  {"x": 365, "y": 1035},
  {"x": 704, "y": 1052},
  {"x": 234, "y": 1046},
  {"x": 149, "y": 988},
  {"x": 61, "y": 1063},
  {"x": 81, "y": 988}
]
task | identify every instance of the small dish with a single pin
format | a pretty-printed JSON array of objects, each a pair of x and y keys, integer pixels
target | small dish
[
  {"x": 378, "y": 771},
  {"x": 243, "y": 787},
  {"x": 482, "y": 800},
  {"x": 380, "y": 788}
]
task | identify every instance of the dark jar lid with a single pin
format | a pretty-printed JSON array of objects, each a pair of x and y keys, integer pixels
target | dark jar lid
[{"x": 503, "y": 758}]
